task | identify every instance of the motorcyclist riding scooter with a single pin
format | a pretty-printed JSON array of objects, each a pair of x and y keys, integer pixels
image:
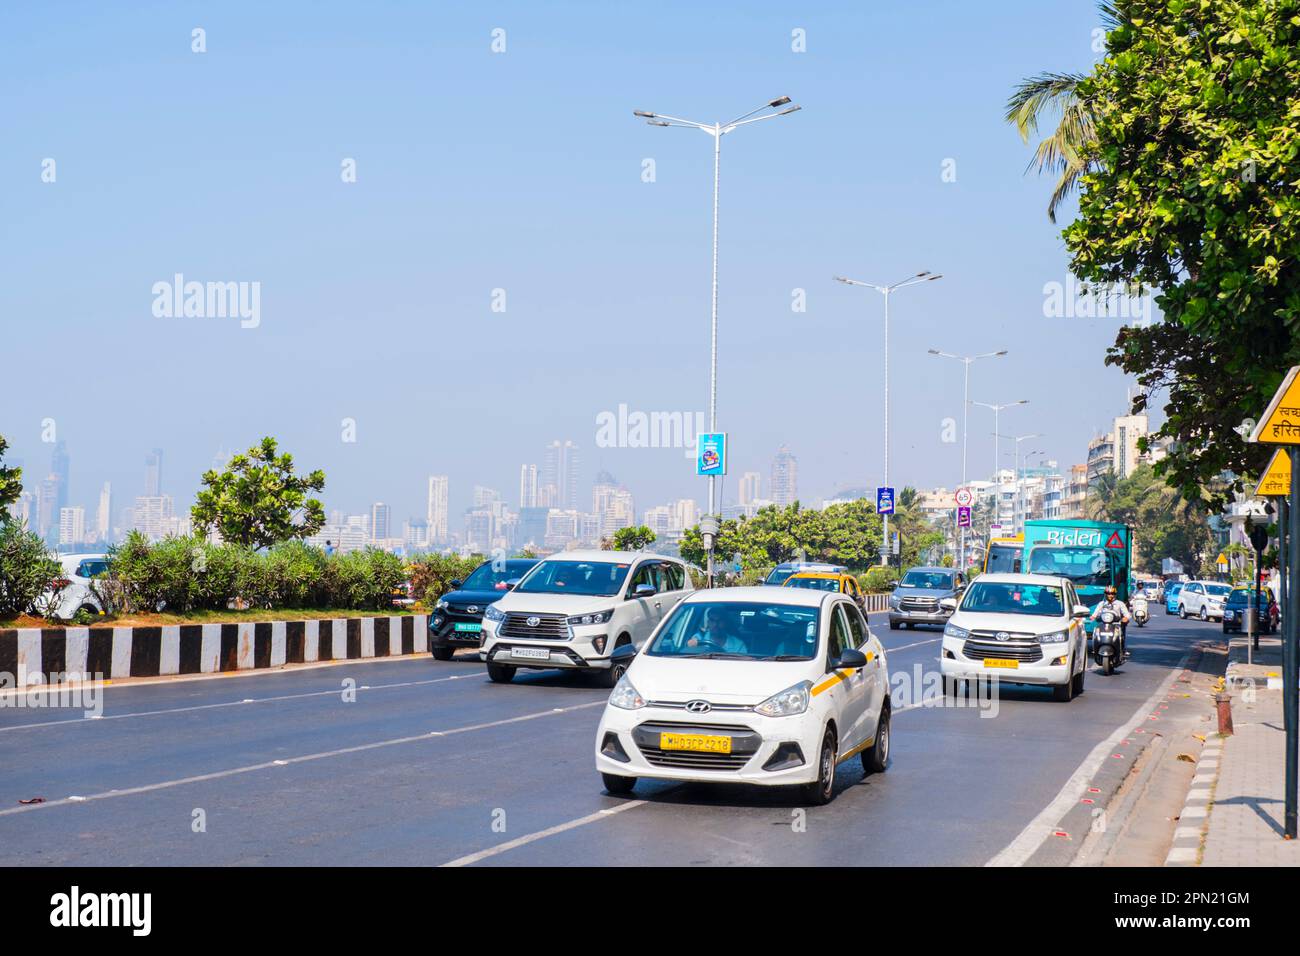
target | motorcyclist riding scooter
[{"x": 1112, "y": 603}]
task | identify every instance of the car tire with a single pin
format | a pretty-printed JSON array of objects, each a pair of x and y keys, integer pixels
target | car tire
[
  {"x": 1063, "y": 693},
  {"x": 1203, "y": 614},
  {"x": 1182, "y": 612},
  {"x": 610, "y": 677},
  {"x": 501, "y": 673},
  {"x": 442, "y": 653},
  {"x": 617, "y": 786},
  {"x": 1079, "y": 678},
  {"x": 893, "y": 625},
  {"x": 819, "y": 792},
  {"x": 875, "y": 759}
]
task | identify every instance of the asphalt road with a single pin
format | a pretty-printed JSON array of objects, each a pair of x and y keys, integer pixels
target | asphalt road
[{"x": 280, "y": 769}]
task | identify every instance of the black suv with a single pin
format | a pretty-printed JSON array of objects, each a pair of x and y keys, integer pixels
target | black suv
[{"x": 457, "y": 618}]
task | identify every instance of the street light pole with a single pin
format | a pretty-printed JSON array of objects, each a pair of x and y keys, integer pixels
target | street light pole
[
  {"x": 1017, "y": 523},
  {"x": 717, "y": 131},
  {"x": 967, "y": 361},
  {"x": 887, "y": 291}
]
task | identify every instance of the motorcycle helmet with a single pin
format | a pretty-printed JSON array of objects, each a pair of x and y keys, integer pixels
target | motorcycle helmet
[{"x": 1111, "y": 592}]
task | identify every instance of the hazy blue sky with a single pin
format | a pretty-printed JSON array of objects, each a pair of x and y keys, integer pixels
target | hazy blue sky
[{"x": 523, "y": 171}]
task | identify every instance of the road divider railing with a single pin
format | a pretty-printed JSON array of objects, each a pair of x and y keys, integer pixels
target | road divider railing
[{"x": 41, "y": 655}]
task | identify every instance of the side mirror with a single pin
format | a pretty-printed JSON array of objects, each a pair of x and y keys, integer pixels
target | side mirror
[
  {"x": 456, "y": 583},
  {"x": 644, "y": 591},
  {"x": 852, "y": 658},
  {"x": 1080, "y": 611},
  {"x": 512, "y": 584},
  {"x": 623, "y": 654},
  {"x": 948, "y": 604}
]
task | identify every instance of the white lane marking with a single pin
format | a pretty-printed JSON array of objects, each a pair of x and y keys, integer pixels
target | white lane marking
[
  {"x": 1042, "y": 826},
  {"x": 304, "y": 758},
  {"x": 239, "y": 703},
  {"x": 890, "y": 650},
  {"x": 542, "y": 834}
]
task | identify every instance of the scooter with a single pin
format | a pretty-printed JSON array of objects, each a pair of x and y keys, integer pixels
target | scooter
[
  {"x": 1140, "y": 612},
  {"x": 1107, "y": 642}
]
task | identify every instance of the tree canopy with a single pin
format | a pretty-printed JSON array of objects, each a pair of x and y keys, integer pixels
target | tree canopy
[
  {"x": 258, "y": 501},
  {"x": 11, "y": 482}
]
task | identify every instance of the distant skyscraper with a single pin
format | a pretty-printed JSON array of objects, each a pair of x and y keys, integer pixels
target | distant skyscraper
[
  {"x": 749, "y": 487},
  {"x": 72, "y": 525},
  {"x": 485, "y": 497},
  {"x": 527, "y": 486},
  {"x": 785, "y": 478},
  {"x": 560, "y": 471},
  {"x": 381, "y": 517},
  {"x": 104, "y": 514},
  {"x": 437, "y": 509},
  {"x": 154, "y": 516},
  {"x": 153, "y": 473},
  {"x": 48, "y": 494},
  {"x": 59, "y": 467}
]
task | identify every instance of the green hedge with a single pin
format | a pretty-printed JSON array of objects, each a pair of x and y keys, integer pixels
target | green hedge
[
  {"x": 26, "y": 569},
  {"x": 183, "y": 574}
]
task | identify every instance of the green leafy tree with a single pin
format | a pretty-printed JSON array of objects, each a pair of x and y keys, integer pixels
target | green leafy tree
[
  {"x": 258, "y": 501},
  {"x": 1165, "y": 524},
  {"x": 1191, "y": 190},
  {"x": 11, "y": 482},
  {"x": 634, "y": 539},
  {"x": 26, "y": 569}
]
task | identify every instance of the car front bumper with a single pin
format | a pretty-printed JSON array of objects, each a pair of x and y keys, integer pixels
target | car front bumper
[
  {"x": 905, "y": 616},
  {"x": 773, "y": 741},
  {"x": 588, "y": 649},
  {"x": 1045, "y": 672}
]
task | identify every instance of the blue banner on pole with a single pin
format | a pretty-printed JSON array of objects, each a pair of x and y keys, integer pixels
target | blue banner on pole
[
  {"x": 884, "y": 501},
  {"x": 711, "y": 454}
]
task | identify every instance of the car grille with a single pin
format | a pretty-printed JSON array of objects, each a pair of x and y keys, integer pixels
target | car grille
[
  {"x": 713, "y": 708},
  {"x": 919, "y": 604},
  {"x": 979, "y": 647},
  {"x": 549, "y": 626},
  {"x": 744, "y": 744}
]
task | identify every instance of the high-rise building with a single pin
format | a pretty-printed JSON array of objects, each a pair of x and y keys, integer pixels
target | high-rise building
[
  {"x": 1128, "y": 429},
  {"x": 560, "y": 472},
  {"x": 785, "y": 478},
  {"x": 153, "y": 473},
  {"x": 381, "y": 520},
  {"x": 437, "y": 509},
  {"x": 72, "y": 525},
  {"x": 154, "y": 516},
  {"x": 527, "y": 486},
  {"x": 60, "y": 466},
  {"x": 485, "y": 497},
  {"x": 104, "y": 514},
  {"x": 749, "y": 487},
  {"x": 686, "y": 514}
]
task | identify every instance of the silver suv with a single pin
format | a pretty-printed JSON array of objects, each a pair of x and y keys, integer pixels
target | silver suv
[{"x": 917, "y": 598}]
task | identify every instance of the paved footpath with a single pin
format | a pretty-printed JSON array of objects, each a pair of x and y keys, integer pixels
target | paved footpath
[{"x": 1234, "y": 812}]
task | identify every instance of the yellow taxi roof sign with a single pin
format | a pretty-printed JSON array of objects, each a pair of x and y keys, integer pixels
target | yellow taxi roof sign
[
  {"x": 1281, "y": 422},
  {"x": 1276, "y": 480}
]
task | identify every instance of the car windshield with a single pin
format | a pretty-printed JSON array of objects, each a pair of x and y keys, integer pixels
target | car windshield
[
  {"x": 738, "y": 630},
  {"x": 92, "y": 568},
  {"x": 1003, "y": 558},
  {"x": 493, "y": 577},
  {"x": 935, "y": 580},
  {"x": 1242, "y": 596},
  {"x": 1218, "y": 590},
  {"x": 778, "y": 575},
  {"x": 996, "y": 597},
  {"x": 591, "y": 578},
  {"x": 814, "y": 584},
  {"x": 1086, "y": 567}
]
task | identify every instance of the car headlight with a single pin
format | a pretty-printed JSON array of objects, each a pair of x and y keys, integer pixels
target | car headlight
[
  {"x": 1229, "y": 614},
  {"x": 492, "y": 614},
  {"x": 596, "y": 617},
  {"x": 625, "y": 696},
  {"x": 440, "y": 605},
  {"x": 789, "y": 702},
  {"x": 1056, "y": 637},
  {"x": 952, "y": 630},
  {"x": 895, "y": 600}
]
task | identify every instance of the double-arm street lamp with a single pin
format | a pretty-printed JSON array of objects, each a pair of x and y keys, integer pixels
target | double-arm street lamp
[
  {"x": 769, "y": 110},
  {"x": 1017, "y": 524},
  {"x": 967, "y": 361},
  {"x": 997, "y": 409},
  {"x": 887, "y": 291}
]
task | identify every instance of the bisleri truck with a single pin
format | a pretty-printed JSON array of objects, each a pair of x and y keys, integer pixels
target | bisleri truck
[{"x": 1092, "y": 554}]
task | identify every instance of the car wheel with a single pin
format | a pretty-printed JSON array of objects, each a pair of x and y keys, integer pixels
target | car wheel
[
  {"x": 875, "y": 759},
  {"x": 1204, "y": 615},
  {"x": 818, "y": 793},
  {"x": 893, "y": 625},
  {"x": 1064, "y": 693},
  {"x": 501, "y": 673},
  {"x": 617, "y": 786},
  {"x": 609, "y": 678},
  {"x": 443, "y": 653},
  {"x": 1182, "y": 611},
  {"x": 1079, "y": 678}
]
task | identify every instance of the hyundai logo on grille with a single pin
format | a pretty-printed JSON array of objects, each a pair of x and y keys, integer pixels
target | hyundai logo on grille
[
  {"x": 1002, "y": 636},
  {"x": 698, "y": 706},
  {"x": 472, "y": 609},
  {"x": 533, "y": 621}
]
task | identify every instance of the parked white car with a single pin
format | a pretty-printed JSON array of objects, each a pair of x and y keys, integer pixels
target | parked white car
[
  {"x": 73, "y": 589},
  {"x": 1203, "y": 599},
  {"x": 759, "y": 685},
  {"x": 573, "y": 609},
  {"x": 1020, "y": 629}
]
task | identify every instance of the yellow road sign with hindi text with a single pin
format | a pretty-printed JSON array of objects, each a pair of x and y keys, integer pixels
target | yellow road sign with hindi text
[
  {"x": 1276, "y": 480},
  {"x": 1281, "y": 422}
]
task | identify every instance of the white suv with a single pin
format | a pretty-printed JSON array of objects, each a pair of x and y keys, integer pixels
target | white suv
[
  {"x": 74, "y": 591},
  {"x": 1204, "y": 599},
  {"x": 1020, "y": 629},
  {"x": 574, "y": 608}
]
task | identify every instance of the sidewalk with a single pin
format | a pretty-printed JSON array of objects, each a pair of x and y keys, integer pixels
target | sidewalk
[{"x": 1243, "y": 826}]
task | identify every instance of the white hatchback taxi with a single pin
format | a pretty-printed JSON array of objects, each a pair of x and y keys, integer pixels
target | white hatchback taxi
[
  {"x": 1020, "y": 629},
  {"x": 758, "y": 685}
]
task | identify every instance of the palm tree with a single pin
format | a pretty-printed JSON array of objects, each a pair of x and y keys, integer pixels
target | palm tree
[
  {"x": 1101, "y": 497},
  {"x": 1063, "y": 152}
]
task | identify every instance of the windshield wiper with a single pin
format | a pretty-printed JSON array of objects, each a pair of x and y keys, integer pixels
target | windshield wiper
[
  {"x": 721, "y": 656},
  {"x": 785, "y": 657}
]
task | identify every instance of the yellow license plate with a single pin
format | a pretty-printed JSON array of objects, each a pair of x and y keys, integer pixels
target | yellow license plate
[
  {"x": 1001, "y": 662},
  {"x": 700, "y": 743}
]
